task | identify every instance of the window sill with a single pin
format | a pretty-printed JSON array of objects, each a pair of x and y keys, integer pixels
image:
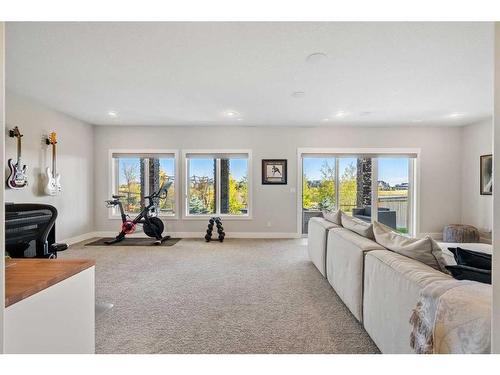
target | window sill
[
  {"x": 132, "y": 217},
  {"x": 223, "y": 217}
]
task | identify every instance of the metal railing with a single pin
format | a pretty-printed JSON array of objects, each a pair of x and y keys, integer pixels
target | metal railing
[{"x": 396, "y": 203}]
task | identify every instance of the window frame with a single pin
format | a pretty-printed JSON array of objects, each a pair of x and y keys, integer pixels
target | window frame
[
  {"x": 216, "y": 154},
  {"x": 414, "y": 177},
  {"x": 112, "y": 214}
]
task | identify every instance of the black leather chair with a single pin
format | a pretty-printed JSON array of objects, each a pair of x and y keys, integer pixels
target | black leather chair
[{"x": 385, "y": 215}]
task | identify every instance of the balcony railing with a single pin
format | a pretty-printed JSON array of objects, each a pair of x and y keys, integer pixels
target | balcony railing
[{"x": 394, "y": 203}]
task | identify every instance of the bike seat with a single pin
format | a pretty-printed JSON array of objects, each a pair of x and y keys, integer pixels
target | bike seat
[{"x": 118, "y": 196}]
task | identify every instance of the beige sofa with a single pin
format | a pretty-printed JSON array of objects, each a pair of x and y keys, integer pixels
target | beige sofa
[
  {"x": 392, "y": 283},
  {"x": 344, "y": 266},
  {"x": 317, "y": 241},
  {"x": 380, "y": 287}
]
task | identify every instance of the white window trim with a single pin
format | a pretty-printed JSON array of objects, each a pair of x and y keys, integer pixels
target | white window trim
[
  {"x": 339, "y": 152},
  {"x": 186, "y": 215},
  {"x": 112, "y": 178}
]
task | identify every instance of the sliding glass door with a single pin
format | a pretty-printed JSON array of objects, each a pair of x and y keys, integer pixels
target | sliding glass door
[
  {"x": 318, "y": 187},
  {"x": 393, "y": 193},
  {"x": 377, "y": 187}
]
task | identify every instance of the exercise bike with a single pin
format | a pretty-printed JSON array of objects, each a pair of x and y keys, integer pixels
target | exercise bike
[{"x": 151, "y": 224}]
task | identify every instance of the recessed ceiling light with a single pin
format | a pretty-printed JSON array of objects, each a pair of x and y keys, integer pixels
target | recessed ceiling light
[
  {"x": 231, "y": 114},
  {"x": 340, "y": 114},
  {"x": 112, "y": 114},
  {"x": 417, "y": 120},
  {"x": 325, "y": 120},
  {"x": 298, "y": 94},
  {"x": 316, "y": 57},
  {"x": 365, "y": 113},
  {"x": 455, "y": 115}
]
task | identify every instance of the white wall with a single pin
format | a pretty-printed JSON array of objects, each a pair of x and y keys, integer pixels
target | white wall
[
  {"x": 440, "y": 189},
  {"x": 2, "y": 148},
  {"x": 74, "y": 162},
  {"x": 496, "y": 200},
  {"x": 477, "y": 209}
]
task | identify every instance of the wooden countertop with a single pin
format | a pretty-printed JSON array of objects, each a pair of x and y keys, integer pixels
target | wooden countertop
[{"x": 25, "y": 277}]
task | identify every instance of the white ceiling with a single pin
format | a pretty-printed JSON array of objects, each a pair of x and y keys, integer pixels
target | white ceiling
[{"x": 194, "y": 73}]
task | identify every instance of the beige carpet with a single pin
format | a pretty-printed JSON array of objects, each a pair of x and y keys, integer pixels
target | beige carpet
[{"x": 240, "y": 296}]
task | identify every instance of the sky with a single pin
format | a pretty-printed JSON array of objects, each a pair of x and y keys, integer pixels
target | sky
[
  {"x": 238, "y": 168},
  {"x": 166, "y": 164},
  {"x": 391, "y": 170},
  {"x": 199, "y": 167}
]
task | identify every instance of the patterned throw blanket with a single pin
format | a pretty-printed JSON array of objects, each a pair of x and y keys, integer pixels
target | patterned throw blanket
[{"x": 452, "y": 316}]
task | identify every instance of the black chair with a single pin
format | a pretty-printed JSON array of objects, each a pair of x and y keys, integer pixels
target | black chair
[
  {"x": 385, "y": 215},
  {"x": 30, "y": 223}
]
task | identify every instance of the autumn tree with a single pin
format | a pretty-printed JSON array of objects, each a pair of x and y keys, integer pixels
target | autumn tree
[
  {"x": 326, "y": 189},
  {"x": 130, "y": 174}
]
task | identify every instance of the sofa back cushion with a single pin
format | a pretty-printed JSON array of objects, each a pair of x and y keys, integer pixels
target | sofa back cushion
[
  {"x": 420, "y": 249},
  {"x": 333, "y": 216},
  {"x": 358, "y": 226}
]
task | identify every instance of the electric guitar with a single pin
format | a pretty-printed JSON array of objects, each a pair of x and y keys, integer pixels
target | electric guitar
[
  {"x": 53, "y": 186},
  {"x": 18, "y": 178}
]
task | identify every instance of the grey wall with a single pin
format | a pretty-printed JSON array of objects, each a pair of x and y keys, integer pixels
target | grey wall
[
  {"x": 496, "y": 202},
  {"x": 2, "y": 149},
  {"x": 440, "y": 173},
  {"x": 477, "y": 209},
  {"x": 74, "y": 162}
]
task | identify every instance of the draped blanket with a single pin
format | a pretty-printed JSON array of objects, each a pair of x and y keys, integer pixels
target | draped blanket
[{"x": 452, "y": 316}]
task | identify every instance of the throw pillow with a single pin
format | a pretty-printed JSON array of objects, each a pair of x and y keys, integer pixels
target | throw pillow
[
  {"x": 443, "y": 257},
  {"x": 461, "y": 272},
  {"x": 357, "y": 225},
  {"x": 471, "y": 258},
  {"x": 333, "y": 216},
  {"x": 416, "y": 248}
]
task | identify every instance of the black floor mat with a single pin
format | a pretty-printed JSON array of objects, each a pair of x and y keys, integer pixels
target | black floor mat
[{"x": 133, "y": 241}]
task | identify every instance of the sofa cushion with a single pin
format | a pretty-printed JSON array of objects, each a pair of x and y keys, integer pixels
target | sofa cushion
[
  {"x": 316, "y": 243},
  {"x": 415, "y": 248},
  {"x": 446, "y": 258},
  {"x": 470, "y": 258},
  {"x": 344, "y": 264},
  {"x": 461, "y": 272},
  {"x": 392, "y": 285},
  {"x": 358, "y": 226},
  {"x": 333, "y": 216}
]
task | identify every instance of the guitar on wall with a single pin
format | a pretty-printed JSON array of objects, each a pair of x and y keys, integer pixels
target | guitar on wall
[
  {"x": 18, "y": 178},
  {"x": 53, "y": 186}
]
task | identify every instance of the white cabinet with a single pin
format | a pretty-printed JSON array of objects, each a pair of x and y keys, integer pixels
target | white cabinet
[{"x": 58, "y": 319}]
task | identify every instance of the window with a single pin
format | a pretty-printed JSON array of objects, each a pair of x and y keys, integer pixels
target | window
[
  {"x": 393, "y": 188},
  {"x": 368, "y": 186},
  {"x": 217, "y": 184},
  {"x": 137, "y": 175}
]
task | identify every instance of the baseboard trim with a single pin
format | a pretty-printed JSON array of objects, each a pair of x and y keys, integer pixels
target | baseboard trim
[
  {"x": 264, "y": 235},
  {"x": 80, "y": 238}
]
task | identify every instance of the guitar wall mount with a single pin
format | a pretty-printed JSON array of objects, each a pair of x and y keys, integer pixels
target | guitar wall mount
[{"x": 18, "y": 177}]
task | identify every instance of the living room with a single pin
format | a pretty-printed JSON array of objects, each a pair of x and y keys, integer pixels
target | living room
[{"x": 250, "y": 187}]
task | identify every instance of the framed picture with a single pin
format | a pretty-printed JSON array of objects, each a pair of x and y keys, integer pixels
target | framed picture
[
  {"x": 486, "y": 175},
  {"x": 274, "y": 172}
]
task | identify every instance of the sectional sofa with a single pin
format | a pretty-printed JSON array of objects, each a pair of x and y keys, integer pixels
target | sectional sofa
[{"x": 380, "y": 287}]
